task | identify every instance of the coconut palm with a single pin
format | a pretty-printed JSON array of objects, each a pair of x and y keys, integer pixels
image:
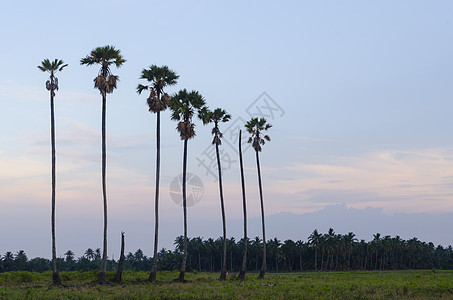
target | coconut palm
[
  {"x": 158, "y": 100},
  {"x": 52, "y": 86},
  {"x": 216, "y": 116},
  {"x": 244, "y": 208},
  {"x": 315, "y": 240},
  {"x": 184, "y": 105},
  {"x": 256, "y": 127},
  {"x": 105, "y": 82}
]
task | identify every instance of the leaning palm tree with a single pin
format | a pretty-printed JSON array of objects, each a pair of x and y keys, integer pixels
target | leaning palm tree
[
  {"x": 256, "y": 127},
  {"x": 216, "y": 116},
  {"x": 158, "y": 77},
  {"x": 52, "y": 86},
  {"x": 184, "y": 105},
  {"x": 244, "y": 208},
  {"x": 105, "y": 82}
]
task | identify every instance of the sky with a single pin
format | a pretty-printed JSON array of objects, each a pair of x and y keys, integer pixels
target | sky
[{"x": 358, "y": 93}]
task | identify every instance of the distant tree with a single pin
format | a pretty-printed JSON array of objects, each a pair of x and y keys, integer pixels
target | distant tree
[
  {"x": 69, "y": 256},
  {"x": 256, "y": 246},
  {"x": 315, "y": 240},
  {"x": 69, "y": 260},
  {"x": 38, "y": 264},
  {"x": 105, "y": 82},
  {"x": 89, "y": 254},
  {"x": 52, "y": 85},
  {"x": 158, "y": 100},
  {"x": 97, "y": 254},
  {"x": 350, "y": 241},
  {"x": 184, "y": 105},
  {"x": 256, "y": 127},
  {"x": 8, "y": 262},
  {"x": 20, "y": 260},
  {"x": 217, "y": 116}
]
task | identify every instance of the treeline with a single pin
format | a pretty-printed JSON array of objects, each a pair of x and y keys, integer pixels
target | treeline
[{"x": 321, "y": 252}]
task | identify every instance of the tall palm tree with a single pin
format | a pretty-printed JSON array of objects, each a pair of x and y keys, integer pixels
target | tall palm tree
[
  {"x": 105, "y": 82},
  {"x": 184, "y": 105},
  {"x": 244, "y": 208},
  {"x": 216, "y": 116},
  {"x": 52, "y": 86},
  {"x": 315, "y": 239},
  {"x": 158, "y": 100},
  {"x": 256, "y": 127}
]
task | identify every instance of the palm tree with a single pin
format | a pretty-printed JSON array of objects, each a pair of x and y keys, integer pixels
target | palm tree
[
  {"x": 89, "y": 254},
  {"x": 256, "y": 127},
  {"x": 159, "y": 77},
  {"x": 315, "y": 239},
  {"x": 183, "y": 105},
  {"x": 216, "y": 116},
  {"x": 244, "y": 208},
  {"x": 52, "y": 86},
  {"x": 350, "y": 241},
  {"x": 105, "y": 82}
]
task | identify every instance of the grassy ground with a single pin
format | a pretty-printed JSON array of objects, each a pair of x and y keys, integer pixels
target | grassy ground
[{"x": 335, "y": 285}]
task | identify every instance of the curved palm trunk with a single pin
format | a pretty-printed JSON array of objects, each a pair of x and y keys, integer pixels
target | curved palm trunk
[
  {"x": 104, "y": 191},
  {"x": 184, "y": 205},
  {"x": 263, "y": 266},
  {"x": 153, "y": 274},
  {"x": 244, "y": 256},
  {"x": 55, "y": 275},
  {"x": 223, "y": 271}
]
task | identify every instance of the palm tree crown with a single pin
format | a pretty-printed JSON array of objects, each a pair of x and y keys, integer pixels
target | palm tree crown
[
  {"x": 159, "y": 77},
  {"x": 216, "y": 116},
  {"x": 105, "y": 56},
  {"x": 255, "y": 127},
  {"x": 52, "y": 67},
  {"x": 183, "y": 106}
]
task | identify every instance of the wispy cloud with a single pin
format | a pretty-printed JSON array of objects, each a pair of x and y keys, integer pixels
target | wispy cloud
[{"x": 410, "y": 181}]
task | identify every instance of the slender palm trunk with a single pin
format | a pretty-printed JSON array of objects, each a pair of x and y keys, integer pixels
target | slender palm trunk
[
  {"x": 300, "y": 262},
  {"x": 55, "y": 275},
  {"x": 316, "y": 258},
  {"x": 222, "y": 205},
  {"x": 184, "y": 205},
  {"x": 263, "y": 266},
  {"x": 104, "y": 190},
  {"x": 119, "y": 271},
  {"x": 153, "y": 274},
  {"x": 322, "y": 257},
  {"x": 244, "y": 256}
]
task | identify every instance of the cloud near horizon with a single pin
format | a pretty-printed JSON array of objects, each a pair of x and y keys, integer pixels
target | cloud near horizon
[{"x": 404, "y": 181}]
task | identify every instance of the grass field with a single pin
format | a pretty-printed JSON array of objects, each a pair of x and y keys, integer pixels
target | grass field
[{"x": 310, "y": 285}]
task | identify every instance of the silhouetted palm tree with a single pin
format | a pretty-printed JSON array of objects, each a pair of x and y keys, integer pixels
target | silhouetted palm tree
[
  {"x": 52, "y": 86},
  {"x": 256, "y": 127},
  {"x": 184, "y": 105},
  {"x": 315, "y": 240},
  {"x": 105, "y": 82},
  {"x": 244, "y": 208},
  {"x": 216, "y": 116},
  {"x": 158, "y": 100}
]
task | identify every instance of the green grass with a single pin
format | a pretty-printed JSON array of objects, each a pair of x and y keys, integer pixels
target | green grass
[{"x": 331, "y": 285}]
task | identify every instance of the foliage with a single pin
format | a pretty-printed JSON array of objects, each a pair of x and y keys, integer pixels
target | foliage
[{"x": 335, "y": 252}]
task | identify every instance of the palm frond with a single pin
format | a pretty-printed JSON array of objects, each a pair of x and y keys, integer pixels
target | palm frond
[{"x": 141, "y": 88}]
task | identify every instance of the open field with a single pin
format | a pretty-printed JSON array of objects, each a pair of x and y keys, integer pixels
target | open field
[{"x": 310, "y": 285}]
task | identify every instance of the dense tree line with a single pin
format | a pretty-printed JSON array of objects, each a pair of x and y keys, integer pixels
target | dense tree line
[{"x": 321, "y": 252}]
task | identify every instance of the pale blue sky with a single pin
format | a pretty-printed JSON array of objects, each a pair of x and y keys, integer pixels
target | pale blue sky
[{"x": 365, "y": 88}]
